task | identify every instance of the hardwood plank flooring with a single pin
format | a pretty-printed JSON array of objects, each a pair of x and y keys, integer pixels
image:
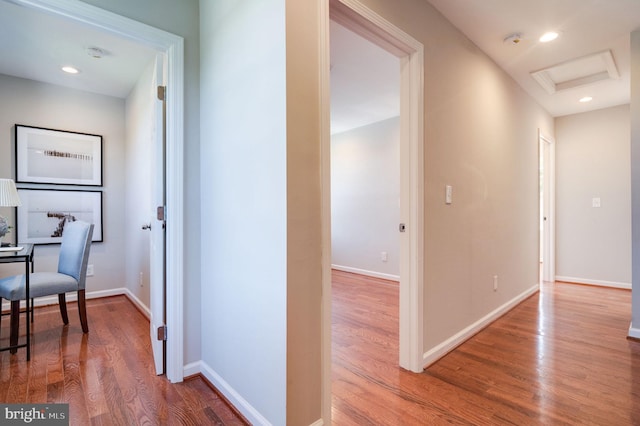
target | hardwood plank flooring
[
  {"x": 107, "y": 376},
  {"x": 559, "y": 358}
]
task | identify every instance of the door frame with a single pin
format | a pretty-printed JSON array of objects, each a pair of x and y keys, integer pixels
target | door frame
[
  {"x": 356, "y": 17},
  {"x": 548, "y": 239},
  {"x": 173, "y": 47}
]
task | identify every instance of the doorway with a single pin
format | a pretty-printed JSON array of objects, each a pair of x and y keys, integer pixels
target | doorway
[
  {"x": 365, "y": 163},
  {"x": 547, "y": 207},
  {"x": 173, "y": 48},
  {"x": 363, "y": 21}
]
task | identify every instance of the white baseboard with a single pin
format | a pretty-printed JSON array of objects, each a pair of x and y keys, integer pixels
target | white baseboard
[
  {"x": 367, "y": 273},
  {"x": 600, "y": 283},
  {"x": 450, "y": 344},
  {"x": 634, "y": 332},
  {"x": 144, "y": 309},
  {"x": 241, "y": 404},
  {"x": 72, "y": 297},
  {"x": 192, "y": 369},
  {"x": 318, "y": 422}
]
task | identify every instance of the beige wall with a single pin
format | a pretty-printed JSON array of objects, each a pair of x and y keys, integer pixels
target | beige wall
[
  {"x": 481, "y": 137},
  {"x": 304, "y": 223},
  {"x": 593, "y": 244},
  {"x": 634, "y": 331}
]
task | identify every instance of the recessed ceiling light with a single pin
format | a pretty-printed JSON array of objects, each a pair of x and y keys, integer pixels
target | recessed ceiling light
[
  {"x": 548, "y": 36},
  {"x": 70, "y": 70},
  {"x": 586, "y": 99}
]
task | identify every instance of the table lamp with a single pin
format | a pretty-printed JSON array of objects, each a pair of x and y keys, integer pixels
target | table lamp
[{"x": 8, "y": 198}]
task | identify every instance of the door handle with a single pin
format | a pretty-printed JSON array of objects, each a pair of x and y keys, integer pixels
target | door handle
[{"x": 147, "y": 226}]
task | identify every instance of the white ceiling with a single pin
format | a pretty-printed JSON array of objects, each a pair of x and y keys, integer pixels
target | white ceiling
[
  {"x": 586, "y": 27},
  {"x": 34, "y": 45},
  {"x": 365, "y": 81}
]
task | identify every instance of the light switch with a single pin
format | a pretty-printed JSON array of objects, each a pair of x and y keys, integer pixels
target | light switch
[
  {"x": 448, "y": 194},
  {"x": 595, "y": 202}
]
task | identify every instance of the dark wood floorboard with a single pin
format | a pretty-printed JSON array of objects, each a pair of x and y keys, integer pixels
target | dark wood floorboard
[
  {"x": 559, "y": 358},
  {"x": 107, "y": 376}
]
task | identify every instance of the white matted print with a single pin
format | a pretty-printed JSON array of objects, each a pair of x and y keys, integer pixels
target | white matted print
[
  {"x": 43, "y": 214},
  {"x": 58, "y": 157}
]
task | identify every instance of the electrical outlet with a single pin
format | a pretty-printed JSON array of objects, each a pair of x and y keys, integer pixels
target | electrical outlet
[
  {"x": 383, "y": 256},
  {"x": 89, "y": 270},
  {"x": 495, "y": 283},
  {"x": 140, "y": 282}
]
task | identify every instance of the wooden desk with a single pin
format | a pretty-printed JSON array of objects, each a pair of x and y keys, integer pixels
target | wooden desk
[{"x": 25, "y": 255}]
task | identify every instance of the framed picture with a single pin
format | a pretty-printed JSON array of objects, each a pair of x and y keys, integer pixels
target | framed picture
[
  {"x": 44, "y": 212},
  {"x": 57, "y": 157}
]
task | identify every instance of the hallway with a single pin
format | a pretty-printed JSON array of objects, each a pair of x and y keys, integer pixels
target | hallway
[{"x": 560, "y": 357}]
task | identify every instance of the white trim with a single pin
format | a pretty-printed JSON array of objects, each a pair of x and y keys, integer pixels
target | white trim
[
  {"x": 192, "y": 369},
  {"x": 173, "y": 46},
  {"x": 318, "y": 422},
  {"x": 366, "y": 272},
  {"x": 357, "y": 17},
  {"x": 634, "y": 332},
  {"x": 600, "y": 283},
  {"x": 234, "y": 397},
  {"x": 456, "y": 340}
]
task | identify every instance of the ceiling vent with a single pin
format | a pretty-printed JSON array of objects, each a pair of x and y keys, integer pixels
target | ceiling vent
[{"x": 577, "y": 72}]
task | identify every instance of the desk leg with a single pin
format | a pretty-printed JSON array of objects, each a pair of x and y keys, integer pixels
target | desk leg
[{"x": 15, "y": 325}]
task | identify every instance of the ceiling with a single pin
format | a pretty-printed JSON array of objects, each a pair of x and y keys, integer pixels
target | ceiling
[
  {"x": 34, "y": 45},
  {"x": 586, "y": 27},
  {"x": 365, "y": 81}
]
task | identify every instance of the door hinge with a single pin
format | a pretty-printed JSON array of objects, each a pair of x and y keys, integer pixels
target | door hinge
[
  {"x": 162, "y": 93},
  {"x": 162, "y": 332}
]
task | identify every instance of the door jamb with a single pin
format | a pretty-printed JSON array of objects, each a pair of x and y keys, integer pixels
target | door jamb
[{"x": 173, "y": 47}]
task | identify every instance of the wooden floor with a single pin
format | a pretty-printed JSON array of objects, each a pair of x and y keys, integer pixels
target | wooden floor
[
  {"x": 559, "y": 358},
  {"x": 106, "y": 376}
]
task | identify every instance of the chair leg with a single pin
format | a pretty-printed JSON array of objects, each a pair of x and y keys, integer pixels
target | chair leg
[
  {"x": 62, "y": 301},
  {"x": 82, "y": 310},
  {"x": 15, "y": 324}
]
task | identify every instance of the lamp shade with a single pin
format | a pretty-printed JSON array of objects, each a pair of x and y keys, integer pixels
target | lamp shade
[{"x": 8, "y": 194}]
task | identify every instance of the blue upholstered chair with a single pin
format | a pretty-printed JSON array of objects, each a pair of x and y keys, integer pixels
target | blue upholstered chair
[{"x": 71, "y": 276}]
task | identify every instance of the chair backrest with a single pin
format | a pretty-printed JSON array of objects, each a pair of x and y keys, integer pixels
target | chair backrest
[{"x": 74, "y": 251}]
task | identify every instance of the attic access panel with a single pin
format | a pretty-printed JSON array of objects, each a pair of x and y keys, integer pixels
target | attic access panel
[{"x": 577, "y": 72}]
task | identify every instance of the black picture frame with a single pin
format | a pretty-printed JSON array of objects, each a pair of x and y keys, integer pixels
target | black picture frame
[
  {"x": 41, "y": 217},
  {"x": 50, "y": 156}
]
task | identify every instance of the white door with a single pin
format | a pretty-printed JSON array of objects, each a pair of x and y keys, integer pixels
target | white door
[
  {"x": 547, "y": 208},
  {"x": 158, "y": 249}
]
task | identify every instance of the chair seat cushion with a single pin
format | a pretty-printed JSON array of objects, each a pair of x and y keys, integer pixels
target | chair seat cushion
[{"x": 40, "y": 284}]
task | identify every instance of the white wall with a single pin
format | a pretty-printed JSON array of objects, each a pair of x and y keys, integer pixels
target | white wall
[
  {"x": 244, "y": 204},
  {"x": 140, "y": 119},
  {"x": 593, "y": 244},
  {"x": 365, "y": 199},
  {"x": 43, "y": 105}
]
